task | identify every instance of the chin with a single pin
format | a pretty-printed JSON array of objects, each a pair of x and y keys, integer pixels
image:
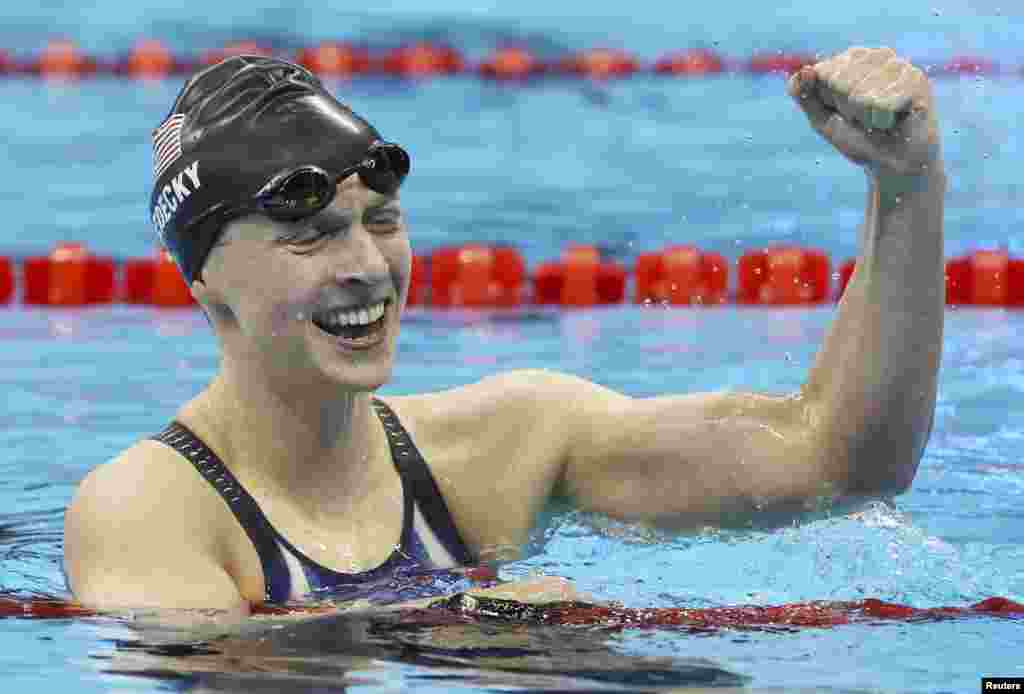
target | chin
[
  {"x": 358, "y": 375},
  {"x": 355, "y": 366}
]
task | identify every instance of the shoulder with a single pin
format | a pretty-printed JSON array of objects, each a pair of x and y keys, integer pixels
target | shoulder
[
  {"x": 127, "y": 478},
  {"x": 142, "y": 509},
  {"x": 506, "y": 437},
  {"x": 145, "y": 486},
  {"x": 521, "y": 400}
]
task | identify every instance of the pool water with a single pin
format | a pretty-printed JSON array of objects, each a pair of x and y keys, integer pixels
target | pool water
[{"x": 726, "y": 163}]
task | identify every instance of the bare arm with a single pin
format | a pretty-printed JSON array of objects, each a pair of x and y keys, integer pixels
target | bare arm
[
  {"x": 129, "y": 550},
  {"x": 874, "y": 380},
  {"x": 859, "y": 425},
  {"x": 876, "y": 376}
]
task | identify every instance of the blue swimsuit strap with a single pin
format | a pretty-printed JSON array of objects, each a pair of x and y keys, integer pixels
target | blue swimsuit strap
[
  {"x": 405, "y": 554},
  {"x": 275, "y": 571},
  {"x": 416, "y": 479},
  {"x": 416, "y": 475}
]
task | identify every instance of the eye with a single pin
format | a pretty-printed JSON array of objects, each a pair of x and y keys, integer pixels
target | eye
[
  {"x": 385, "y": 221},
  {"x": 305, "y": 236},
  {"x": 308, "y": 233}
]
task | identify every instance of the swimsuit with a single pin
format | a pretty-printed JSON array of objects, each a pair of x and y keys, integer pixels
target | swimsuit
[{"x": 407, "y": 574}]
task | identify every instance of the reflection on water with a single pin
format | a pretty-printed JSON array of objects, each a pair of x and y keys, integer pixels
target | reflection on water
[{"x": 443, "y": 649}]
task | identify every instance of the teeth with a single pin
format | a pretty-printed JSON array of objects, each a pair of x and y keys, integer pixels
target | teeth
[{"x": 361, "y": 317}]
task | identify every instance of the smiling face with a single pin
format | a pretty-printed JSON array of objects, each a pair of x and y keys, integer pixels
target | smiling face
[{"x": 316, "y": 301}]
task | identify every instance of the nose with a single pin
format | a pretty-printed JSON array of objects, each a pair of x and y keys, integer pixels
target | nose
[{"x": 357, "y": 258}]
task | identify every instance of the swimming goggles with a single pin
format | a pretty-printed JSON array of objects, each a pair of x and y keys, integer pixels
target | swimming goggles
[
  {"x": 297, "y": 193},
  {"x": 304, "y": 191}
]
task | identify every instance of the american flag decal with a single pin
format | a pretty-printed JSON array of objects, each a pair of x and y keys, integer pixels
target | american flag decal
[{"x": 167, "y": 144}]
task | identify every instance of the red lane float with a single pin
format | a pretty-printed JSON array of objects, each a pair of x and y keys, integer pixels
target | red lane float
[
  {"x": 845, "y": 274},
  {"x": 419, "y": 282},
  {"x": 778, "y": 63},
  {"x": 958, "y": 282},
  {"x": 6, "y": 280},
  {"x": 7, "y": 63},
  {"x": 579, "y": 279},
  {"x": 69, "y": 276},
  {"x": 681, "y": 276},
  {"x": 479, "y": 275},
  {"x": 422, "y": 60},
  {"x": 155, "y": 282},
  {"x": 783, "y": 276},
  {"x": 985, "y": 278},
  {"x": 42, "y": 608},
  {"x": 335, "y": 59},
  {"x": 62, "y": 59},
  {"x": 215, "y": 55},
  {"x": 745, "y": 617},
  {"x": 511, "y": 64},
  {"x": 970, "y": 65},
  {"x": 697, "y": 62},
  {"x": 600, "y": 63},
  {"x": 150, "y": 59},
  {"x": 137, "y": 281},
  {"x": 476, "y": 276}
]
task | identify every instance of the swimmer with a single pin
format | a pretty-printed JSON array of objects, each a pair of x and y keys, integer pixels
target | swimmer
[{"x": 288, "y": 476}]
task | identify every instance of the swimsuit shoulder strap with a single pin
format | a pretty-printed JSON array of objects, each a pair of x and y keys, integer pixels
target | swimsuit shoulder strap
[
  {"x": 414, "y": 472},
  {"x": 275, "y": 571}
]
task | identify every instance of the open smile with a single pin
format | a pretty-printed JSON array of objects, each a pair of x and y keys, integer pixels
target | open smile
[{"x": 355, "y": 328}]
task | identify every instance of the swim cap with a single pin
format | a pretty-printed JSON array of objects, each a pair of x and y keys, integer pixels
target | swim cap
[{"x": 234, "y": 126}]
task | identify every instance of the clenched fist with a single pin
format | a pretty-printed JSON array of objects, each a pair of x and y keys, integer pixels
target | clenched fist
[{"x": 875, "y": 108}]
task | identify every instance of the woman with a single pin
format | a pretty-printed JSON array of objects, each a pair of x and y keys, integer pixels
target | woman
[{"x": 286, "y": 476}]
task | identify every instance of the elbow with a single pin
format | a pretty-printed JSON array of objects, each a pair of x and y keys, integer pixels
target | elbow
[
  {"x": 899, "y": 482},
  {"x": 880, "y": 456},
  {"x": 905, "y": 473},
  {"x": 881, "y": 471},
  {"x": 904, "y": 466}
]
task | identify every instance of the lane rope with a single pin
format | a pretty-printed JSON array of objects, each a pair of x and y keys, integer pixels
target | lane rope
[
  {"x": 150, "y": 58},
  {"x": 464, "y": 607},
  {"x": 481, "y": 276}
]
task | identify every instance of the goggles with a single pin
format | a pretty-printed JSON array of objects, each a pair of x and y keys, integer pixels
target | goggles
[{"x": 304, "y": 191}]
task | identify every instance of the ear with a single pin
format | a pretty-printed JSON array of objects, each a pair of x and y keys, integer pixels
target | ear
[
  {"x": 207, "y": 296},
  {"x": 201, "y": 292},
  {"x": 211, "y": 300}
]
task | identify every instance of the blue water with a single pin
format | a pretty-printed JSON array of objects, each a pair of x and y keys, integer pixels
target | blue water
[{"x": 726, "y": 163}]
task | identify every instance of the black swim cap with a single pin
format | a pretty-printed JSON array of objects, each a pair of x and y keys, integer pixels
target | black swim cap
[{"x": 234, "y": 126}]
